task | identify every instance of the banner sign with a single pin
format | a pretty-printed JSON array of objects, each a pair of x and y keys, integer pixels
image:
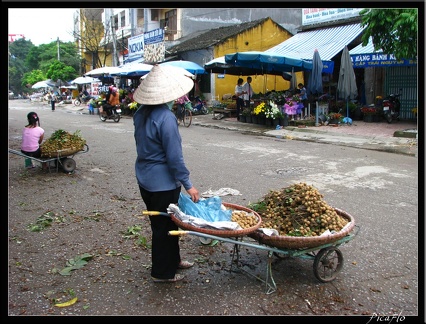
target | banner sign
[
  {"x": 136, "y": 46},
  {"x": 320, "y": 15},
  {"x": 379, "y": 60},
  {"x": 154, "y": 36}
]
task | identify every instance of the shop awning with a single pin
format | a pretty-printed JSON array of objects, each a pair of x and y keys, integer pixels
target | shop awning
[
  {"x": 328, "y": 41},
  {"x": 367, "y": 56}
]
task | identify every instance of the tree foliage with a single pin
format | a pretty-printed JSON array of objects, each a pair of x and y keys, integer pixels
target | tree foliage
[
  {"x": 392, "y": 30},
  {"x": 29, "y": 64}
]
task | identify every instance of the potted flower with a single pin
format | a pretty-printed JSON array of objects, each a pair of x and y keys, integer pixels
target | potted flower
[
  {"x": 293, "y": 106},
  {"x": 273, "y": 113},
  {"x": 246, "y": 115},
  {"x": 371, "y": 114},
  {"x": 334, "y": 118},
  {"x": 258, "y": 115}
]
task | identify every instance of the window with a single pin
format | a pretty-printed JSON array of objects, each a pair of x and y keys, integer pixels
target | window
[
  {"x": 171, "y": 21},
  {"x": 155, "y": 14},
  {"x": 122, "y": 19},
  {"x": 140, "y": 14},
  {"x": 115, "y": 23}
]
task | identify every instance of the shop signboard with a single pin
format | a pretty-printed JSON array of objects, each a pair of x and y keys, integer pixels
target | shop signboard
[{"x": 379, "y": 60}]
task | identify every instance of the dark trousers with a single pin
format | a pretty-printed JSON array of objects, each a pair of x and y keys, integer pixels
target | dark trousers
[
  {"x": 165, "y": 252},
  {"x": 52, "y": 102},
  {"x": 240, "y": 106}
]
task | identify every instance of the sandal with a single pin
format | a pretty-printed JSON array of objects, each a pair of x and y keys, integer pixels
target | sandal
[
  {"x": 185, "y": 265},
  {"x": 177, "y": 277}
]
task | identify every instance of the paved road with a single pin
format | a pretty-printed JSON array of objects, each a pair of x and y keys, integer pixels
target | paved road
[{"x": 97, "y": 203}]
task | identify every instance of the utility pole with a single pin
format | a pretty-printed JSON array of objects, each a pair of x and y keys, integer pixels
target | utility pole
[
  {"x": 59, "y": 57},
  {"x": 114, "y": 43}
]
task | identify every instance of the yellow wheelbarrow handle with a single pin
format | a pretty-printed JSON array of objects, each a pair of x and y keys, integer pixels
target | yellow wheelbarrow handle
[{"x": 154, "y": 213}]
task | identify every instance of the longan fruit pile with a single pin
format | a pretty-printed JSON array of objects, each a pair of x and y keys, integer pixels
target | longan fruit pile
[{"x": 298, "y": 210}]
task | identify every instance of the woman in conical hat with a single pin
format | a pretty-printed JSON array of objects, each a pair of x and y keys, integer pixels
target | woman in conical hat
[{"x": 160, "y": 167}]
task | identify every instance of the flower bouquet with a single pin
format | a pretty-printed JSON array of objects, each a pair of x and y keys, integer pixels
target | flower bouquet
[
  {"x": 292, "y": 107},
  {"x": 272, "y": 111}
]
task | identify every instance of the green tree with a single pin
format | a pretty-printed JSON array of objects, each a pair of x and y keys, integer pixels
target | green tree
[
  {"x": 392, "y": 30},
  {"x": 18, "y": 51},
  {"x": 29, "y": 64},
  {"x": 59, "y": 70},
  {"x": 33, "y": 77}
]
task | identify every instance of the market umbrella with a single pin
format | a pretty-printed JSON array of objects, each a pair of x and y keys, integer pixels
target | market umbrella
[
  {"x": 315, "y": 80},
  {"x": 192, "y": 67},
  {"x": 103, "y": 71},
  {"x": 40, "y": 84},
  {"x": 84, "y": 80},
  {"x": 175, "y": 70},
  {"x": 136, "y": 69},
  {"x": 293, "y": 81},
  {"x": 61, "y": 83},
  {"x": 219, "y": 66},
  {"x": 346, "y": 85},
  {"x": 268, "y": 62}
]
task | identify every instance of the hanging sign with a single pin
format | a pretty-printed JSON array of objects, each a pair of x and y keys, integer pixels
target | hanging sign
[{"x": 379, "y": 60}]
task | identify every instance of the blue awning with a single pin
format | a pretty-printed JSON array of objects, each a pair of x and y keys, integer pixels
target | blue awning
[{"x": 328, "y": 41}]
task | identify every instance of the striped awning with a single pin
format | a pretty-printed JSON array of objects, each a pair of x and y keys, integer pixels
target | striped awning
[
  {"x": 328, "y": 41},
  {"x": 367, "y": 49}
]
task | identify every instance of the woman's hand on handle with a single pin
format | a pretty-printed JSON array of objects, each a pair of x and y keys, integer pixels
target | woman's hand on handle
[{"x": 195, "y": 195}]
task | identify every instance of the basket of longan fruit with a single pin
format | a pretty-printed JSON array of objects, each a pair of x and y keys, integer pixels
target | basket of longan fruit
[
  {"x": 248, "y": 220},
  {"x": 301, "y": 217}
]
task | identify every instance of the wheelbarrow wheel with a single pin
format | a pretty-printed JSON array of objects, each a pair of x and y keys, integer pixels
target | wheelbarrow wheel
[
  {"x": 205, "y": 240},
  {"x": 328, "y": 263},
  {"x": 68, "y": 165}
]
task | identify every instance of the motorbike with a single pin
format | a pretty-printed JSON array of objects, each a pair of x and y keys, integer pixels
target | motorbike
[
  {"x": 80, "y": 99},
  {"x": 110, "y": 112},
  {"x": 199, "y": 107},
  {"x": 391, "y": 106}
]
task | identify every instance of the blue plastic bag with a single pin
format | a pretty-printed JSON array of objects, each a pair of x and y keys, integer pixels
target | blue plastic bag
[{"x": 209, "y": 209}]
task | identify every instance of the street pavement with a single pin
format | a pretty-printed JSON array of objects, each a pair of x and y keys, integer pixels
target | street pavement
[{"x": 398, "y": 137}]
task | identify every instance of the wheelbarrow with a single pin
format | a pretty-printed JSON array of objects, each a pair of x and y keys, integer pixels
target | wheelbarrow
[
  {"x": 323, "y": 250},
  {"x": 63, "y": 158}
]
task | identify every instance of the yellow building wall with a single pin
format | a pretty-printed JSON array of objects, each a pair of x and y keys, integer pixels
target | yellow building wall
[{"x": 260, "y": 38}]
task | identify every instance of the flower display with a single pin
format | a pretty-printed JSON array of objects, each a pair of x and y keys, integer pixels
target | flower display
[
  {"x": 369, "y": 110},
  {"x": 259, "y": 109},
  {"x": 334, "y": 115},
  {"x": 133, "y": 105},
  {"x": 293, "y": 107},
  {"x": 272, "y": 111}
]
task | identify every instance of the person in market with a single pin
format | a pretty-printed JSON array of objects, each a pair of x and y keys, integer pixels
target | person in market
[
  {"x": 52, "y": 100},
  {"x": 32, "y": 137},
  {"x": 160, "y": 167},
  {"x": 248, "y": 91},
  {"x": 113, "y": 99},
  {"x": 303, "y": 94},
  {"x": 239, "y": 92},
  {"x": 181, "y": 105}
]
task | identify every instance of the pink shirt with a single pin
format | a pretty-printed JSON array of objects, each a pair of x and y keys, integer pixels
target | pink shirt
[
  {"x": 182, "y": 99},
  {"x": 30, "y": 138}
]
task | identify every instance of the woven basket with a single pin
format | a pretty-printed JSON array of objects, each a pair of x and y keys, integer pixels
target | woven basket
[
  {"x": 221, "y": 233},
  {"x": 299, "y": 242},
  {"x": 61, "y": 153}
]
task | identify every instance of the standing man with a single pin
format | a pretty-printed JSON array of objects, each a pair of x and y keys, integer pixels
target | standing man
[
  {"x": 239, "y": 92},
  {"x": 53, "y": 100},
  {"x": 248, "y": 92}
]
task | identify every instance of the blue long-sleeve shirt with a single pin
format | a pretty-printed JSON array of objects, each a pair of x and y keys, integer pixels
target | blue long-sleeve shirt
[{"x": 159, "y": 164}]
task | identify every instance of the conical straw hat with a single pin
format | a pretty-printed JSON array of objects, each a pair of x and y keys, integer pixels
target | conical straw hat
[{"x": 162, "y": 85}]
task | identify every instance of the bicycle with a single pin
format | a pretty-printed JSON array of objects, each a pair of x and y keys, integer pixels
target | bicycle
[{"x": 184, "y": 114}]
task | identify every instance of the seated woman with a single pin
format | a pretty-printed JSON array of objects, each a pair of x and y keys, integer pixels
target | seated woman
[{"x": 32, "y": 136}]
